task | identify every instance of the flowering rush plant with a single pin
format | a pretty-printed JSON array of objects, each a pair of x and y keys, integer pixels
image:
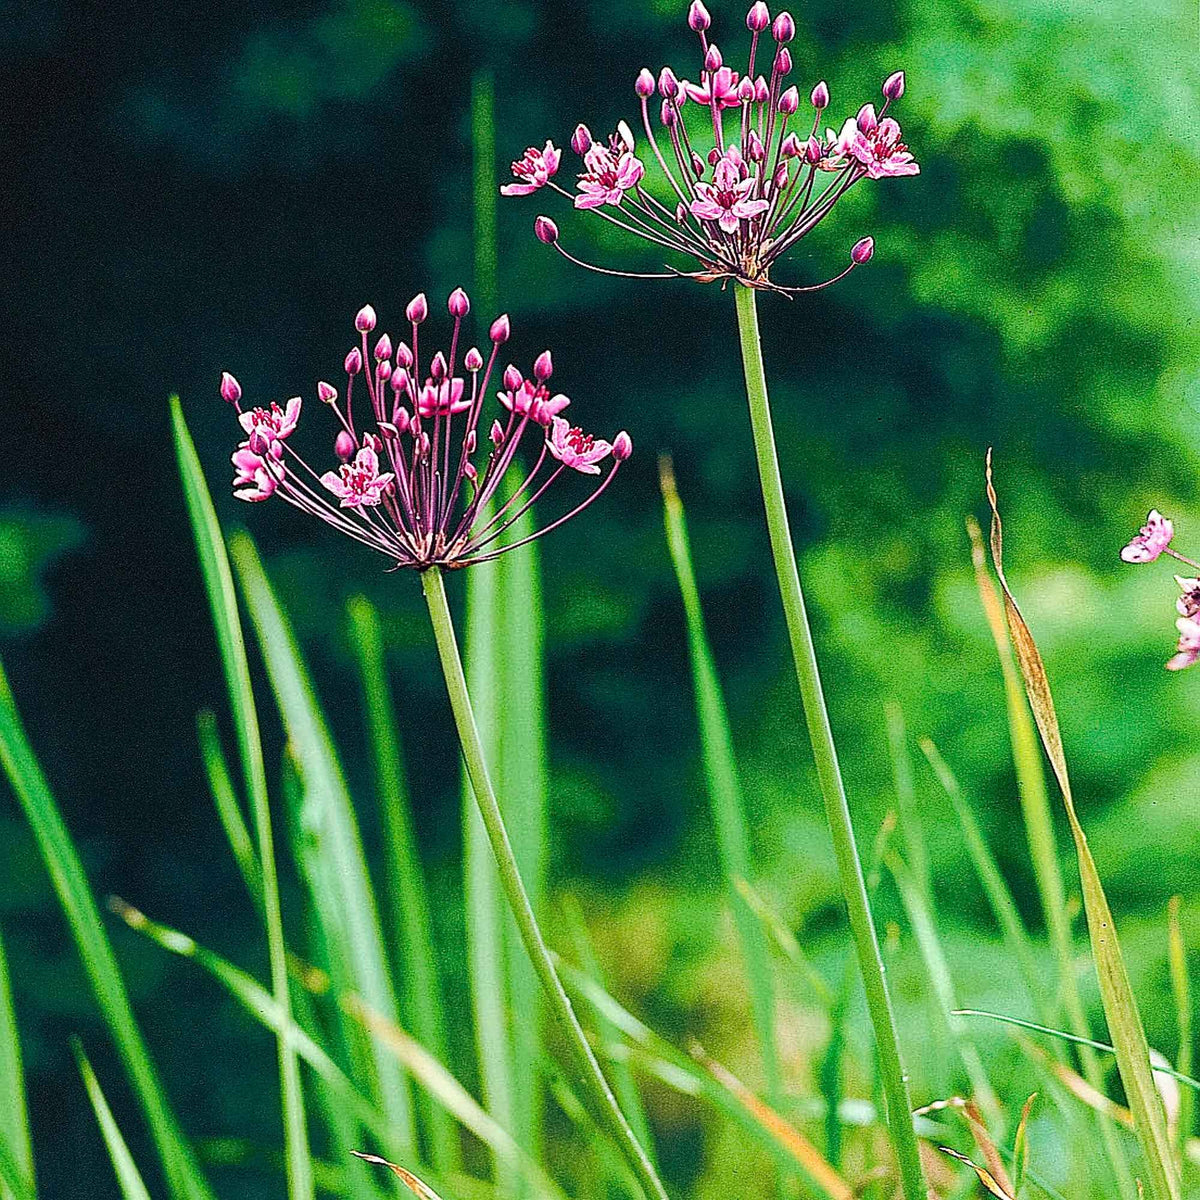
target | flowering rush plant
[
  {"x": 747, "y": 181},
  {"x": 409, "y": 483},
  {"x": 1151, "y": 542}
]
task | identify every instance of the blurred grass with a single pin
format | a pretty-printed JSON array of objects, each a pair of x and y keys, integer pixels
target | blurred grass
[
  {"x": 17, "y": 1180},
  {"x": 128, "y": 1176}
]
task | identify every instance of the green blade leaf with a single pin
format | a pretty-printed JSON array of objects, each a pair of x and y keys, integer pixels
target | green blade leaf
[
  {"x": 74, "y": 893},
  {"x": 15, "y": 1142},
  {"x": 128, "y": 1176}
]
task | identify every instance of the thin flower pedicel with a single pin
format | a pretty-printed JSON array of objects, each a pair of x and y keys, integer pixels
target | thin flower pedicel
[
  {"x": 411, "y": 486},
  {"x": 1149, "y": 543},
  {"x": 744, "y": 187}
]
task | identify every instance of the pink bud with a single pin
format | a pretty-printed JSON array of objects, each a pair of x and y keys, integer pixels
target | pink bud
[
  {"x": 622, "y": 446},
  {"x": 754, "y": 147},
  {"x": 698, "y": 165},
  {"x": 581, "y": 140},
  {"x": 681, "y": 212},
  {"x": 745, "y": 90},
  {"x": 813, "y": 151},
  {"x": 789, "y": 102},
  {"x": 343, "y": 447},
  {"x": 473, "y": 360},
  {"x": 820, "y": 96},
  {"x": 868, "y": 122},
  {"x": 862, "y": 251},
  {"x": 790, "y": 146},
  {"x": 714, "y": 157},
  {"x": 389, "y": 431},
  {"x": 667, "y": 113},
  {"x": 401, "y": 418},
  {"x": 500, "y": 330},
  {"x": 470, "y": 471},
  {"x": 384, "y": 371},
  {"x": 353, "y": 363},
  {"x": 404, "y": 356},
  {"x": 383, "y": 348},
  {"x": 326, "y": 392},
  {"x": 231, "y": 390},
  {"x": 626, "y": 135},
  {"x": 758, "y": 18},
  {"x": 437, "y": 368},
  {"x": 784, "y": 28},
  {"x": 458, "y": 304},
  {"x": 781, "y": 176},
  {"x": 668, "y": 85},
  {"x": 645, "y": 84},
  {"x": 497, "y": 433},
  {"x": 762, "y": 90},
  {"x": 364, "y": 322},
  {"x": 512, "y": 378},
  {"x": 401, "y": 381},
  {"x": 469, "y": 442},
  {"x": 546, "y": 230},
  {"x": 893, "y": 85},
  {"x": 543, "y": 366},
  {"x": 418, "y": 308},
  {"x": 783, "y": 61},
  {"x": 712, "y": 59},
  {"x": 258, "y": 443},
  {"x": 698, "y": 18}
]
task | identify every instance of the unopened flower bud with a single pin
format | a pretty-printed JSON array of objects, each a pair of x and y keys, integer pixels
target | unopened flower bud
[
  {"x": 783, "y": 61},
  {"x": 473, "y": 360},
  {"x": 512, "y": 378},
  {"x": 868, "y": 122},
  {"x": 790, "y": 146},
  {"x": 364, "y": 321},
  {"x": 401, "y": 419},
  {"x": 667, "y": 113},
  {"x": 644, "y": 86},
  {"x": 758, "y": 18},
  {"x": 343, "y": 446},
  {"x": 813, "y": 151},
  {"x": 496, "y": 433},
  {"x": 581, "y": 140},
  {"x": 258, "y": 444},
  {"x": 469, "y": 443},
  {"x": 437, "y": 368},
  {"x": 698, "y": 18},
  {"x": 820, "y": 96},
  {"x": 745, "y": 90},
  {"x": 353, "y": 363},
  {"x": 458, "y": 304},
  {"x": 698, "y": 164},
  {"x": 401, "y": 381},
  {"x": 714, "y": 157},
  {"x": 422, "y": 447},
  {"x": 383, "y": 348},
  {"x": 389, "y": 431},
  {"x": 383, "y": 372},
  {"x": 543, "y": 366},
  {"x": 789, "y": 101},
  {"x": 326, "y": 392},
  {"x": 762, "y": 90},
  {"x": 404, "y": 356},
  {"x": 784, "y": 28},
  {"x": 546, "y": 230},
  {"x": 622, "y": 446},
  {"x": 862, "y": 251},
  {"x": 470, "y": 471},
  {"x": 713, "y": 60},
  {"x": 500, "y": 330},
  {"x": 681, "y": 212},
  {"x": 781, "y": 176},
  {"x": 754, "y": 147},
  {"x": 626, "y": 136},
  {"x": 418, "y": 308},
  {"x": 231, "y": 390},
  {"x": 668, "y": 84},
  {"x": 893, "y": 85}
]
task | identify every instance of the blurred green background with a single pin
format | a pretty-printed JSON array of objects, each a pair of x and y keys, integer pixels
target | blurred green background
[{"x": 194, "y": 188}]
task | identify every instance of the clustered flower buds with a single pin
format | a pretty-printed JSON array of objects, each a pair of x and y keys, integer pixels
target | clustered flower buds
[
  {"x": 756, "y": 190},
  {"x": 1148, "y": 544},
  {"x": 413, "y": 481}
]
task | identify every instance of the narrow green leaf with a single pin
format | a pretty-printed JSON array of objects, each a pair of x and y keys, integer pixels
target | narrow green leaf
[
  {"x": 12, "y": 1182},
  {"x": 218, "y": 583},
  {"x": 1181, "y": 990},
  {"x": 128, "y": 1177},
  {"x": 1020, "y": 1153},
  {"x": 1116, "y": 993},
  {"x": 15, "y": 1140},
  {"x": 74, "y": 894},
  {"x": 407, "y": 893},
  {"x": 345, "y": 902},
  {"x": 724, "y": 786},
  {"x": 916, "y": 852}
]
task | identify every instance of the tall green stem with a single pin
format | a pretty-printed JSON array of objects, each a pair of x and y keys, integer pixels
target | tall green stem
[
  {"x": 587, "y": 1069},
  {"x": 837, "y": 811}
]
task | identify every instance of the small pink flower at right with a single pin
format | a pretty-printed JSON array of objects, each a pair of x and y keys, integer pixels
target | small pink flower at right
[{"x": 1151, "y": 542}]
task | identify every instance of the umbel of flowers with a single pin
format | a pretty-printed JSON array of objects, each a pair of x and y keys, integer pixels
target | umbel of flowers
[
  {"x": 1151, "y": 542},
  {"x": 414, "y": 479},
  {"x": 746, "y": 174}
]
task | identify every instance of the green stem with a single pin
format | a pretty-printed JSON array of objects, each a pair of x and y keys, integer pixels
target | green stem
[
  {"x": 586, "y": 1066},
  {"x": 837, "y": 811}
]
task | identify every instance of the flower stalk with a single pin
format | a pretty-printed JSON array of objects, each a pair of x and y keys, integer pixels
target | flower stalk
[
  {"x": 587, "y": 1069},
  {"x": 833, "y": 792}
]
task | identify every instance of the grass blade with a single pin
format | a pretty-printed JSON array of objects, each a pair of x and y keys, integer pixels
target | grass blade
[
  {"x": 15, "y": 1141},
  {"x": 345, "y": 900},
  {"x": 218, "y": 583},
  {"x": 74, "y": 893},
  {"x": 409, "y": 900},
  {"x": 421, "y": 1190},
  {"x": 128, "y": 1177},
  {"x": 1116, "y": 993},
  {"x": 916, "y": 854},
  {"x": 724, "y": 786},
  {"x": 1020, "y": 1154},
  {"x": 1181, "y": 989}
]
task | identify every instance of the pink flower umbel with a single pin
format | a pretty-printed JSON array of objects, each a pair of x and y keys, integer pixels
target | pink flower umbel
[
  {"x": 741, "y": 181},
  {"x": 1149, "y": 543},
  {"x": 414, "y": 481}
]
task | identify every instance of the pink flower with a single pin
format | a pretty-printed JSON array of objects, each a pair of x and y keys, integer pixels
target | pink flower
[
  {"x": 721, "y": 86},
  {"x": 1188, "y": 650},
  {"x": 726, "y": 199},
  {"x": 881, "y": 151},
  {"x": 611, "y": 171},
  {"x": 271, "y": 423},
  {"x": 360, "y": 483},
  {"x": 253, "y": 480},
  {"x": 1151, "y": 540},
  {"x": 574, "y": 448},
  {"x": 532, "y": 399},
  {"x": 445, "y": 397},
  {"x": 1188, "y": 604},
  {"x": 533, "y": 170}
]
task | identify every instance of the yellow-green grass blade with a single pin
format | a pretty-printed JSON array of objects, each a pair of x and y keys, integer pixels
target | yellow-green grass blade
[
  {"x": 344, "y": 901},
  {"x": 15, "y": 1141},
  {"x": 1116, "y": 993},
  {"x": 222, "y": 599},
  {"x": 408, "y": 900},
  {"x": 1181, "y": 990},
  {"x": 70, "y": 883},
  {"x": 724, "y": 785},
  {"x": 229, "y": 810},
  {"x": 128, "y": 1177}
]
